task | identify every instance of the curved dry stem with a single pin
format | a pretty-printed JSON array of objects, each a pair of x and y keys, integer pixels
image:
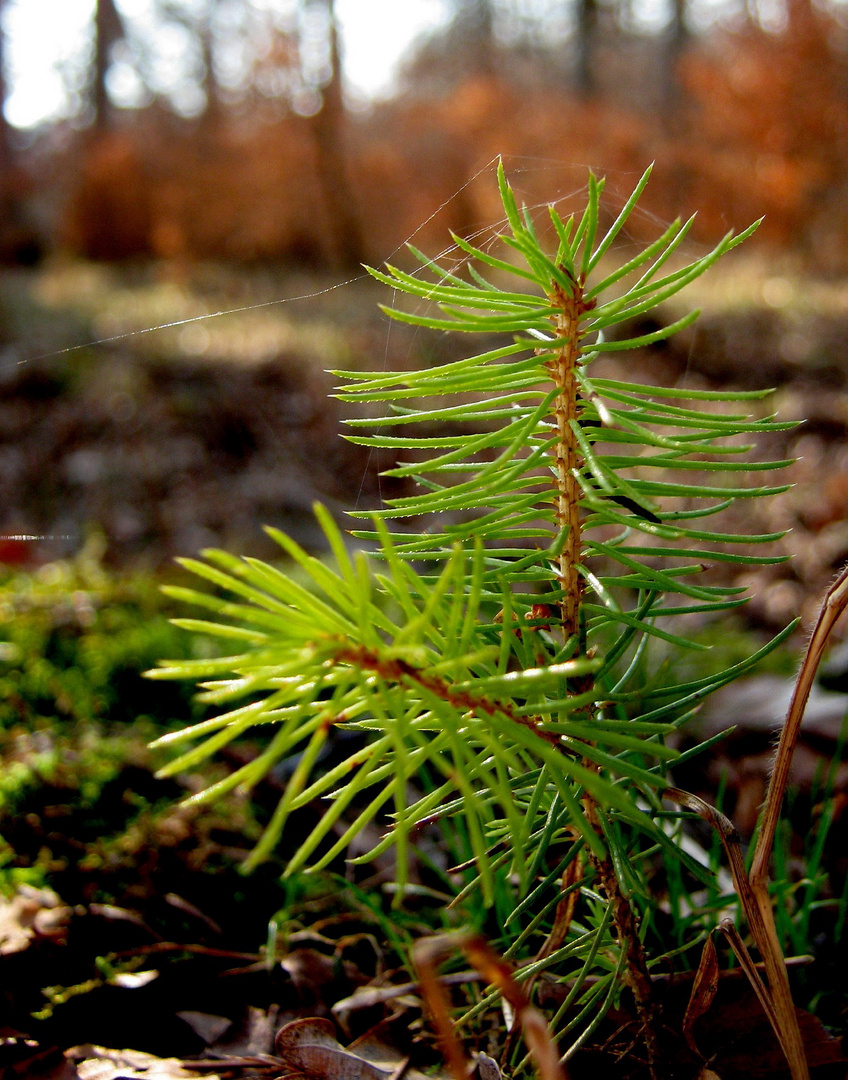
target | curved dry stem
[
  {"x": 429, "y": 952},
  {"x": 752, "y": 888},
  {"x": 834, "y": 604},
  {"x": 779, "y": 1008}
]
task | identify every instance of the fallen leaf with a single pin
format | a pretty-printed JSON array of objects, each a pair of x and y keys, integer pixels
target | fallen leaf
[
  {"x": 250, "y": 1036},
  {"x": 736, "y": 1033},
  {"x": 28, "y": 914},
  {"x": 100, "y": 1063},
  {"x": 314, "y": 974},
  {"x": 207, "y": 1027},
  {"x": 486, "y": 1068},
  {"x": 309, "y": 1048},
  {"x": 704, "y": 989}
]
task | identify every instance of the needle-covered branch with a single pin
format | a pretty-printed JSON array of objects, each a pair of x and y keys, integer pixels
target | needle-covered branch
[{"x": 491, "y": 655}]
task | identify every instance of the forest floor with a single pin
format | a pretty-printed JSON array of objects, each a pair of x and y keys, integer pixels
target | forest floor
[{"x": 138, "y": 931}]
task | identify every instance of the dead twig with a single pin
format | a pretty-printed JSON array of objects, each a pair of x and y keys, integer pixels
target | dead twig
[
  {"x": 781, "y": 1021},
  {"x": 835, "y": 602},
  {"x": 429, "y": 952},
  {"x": 752, "y": 888}
]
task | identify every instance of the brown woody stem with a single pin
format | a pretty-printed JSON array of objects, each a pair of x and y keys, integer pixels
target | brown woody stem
[
  {"x": 395, "y": 670},
  {"x": 571, "y": 307},
  {"x": 636, "y": 976}
]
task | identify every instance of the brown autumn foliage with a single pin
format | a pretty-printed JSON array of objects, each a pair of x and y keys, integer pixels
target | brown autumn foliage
[
  {"x": 769, "y": 113},
  {"x": 759, "y": 127}
]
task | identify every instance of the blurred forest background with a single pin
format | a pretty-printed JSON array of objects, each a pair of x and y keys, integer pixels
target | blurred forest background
[
  {"x": 251, "y": 150},
  {"x": 212, "y": 155}
]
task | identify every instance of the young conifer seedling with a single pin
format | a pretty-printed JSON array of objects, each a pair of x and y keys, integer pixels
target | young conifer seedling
[{"x": 493, "y": 646}]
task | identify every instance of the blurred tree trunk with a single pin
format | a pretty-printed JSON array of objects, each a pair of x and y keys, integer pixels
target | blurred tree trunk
[
  {"x": 202, "y": 26},
  {"x": 803, "y": 19},
  {"x": 676, "y": 41},
  {"x": 475, "y": 24},
  {"x": 330, "y": 126},
  {"x": 108, "y": 29},
  {"x": 19, "y": 241},
  {"x": 199, "y": 22},
  {"x": 7, "y": 153},
  {"x": 205, "y": 36},
  {"x": 585, "y": 48}
]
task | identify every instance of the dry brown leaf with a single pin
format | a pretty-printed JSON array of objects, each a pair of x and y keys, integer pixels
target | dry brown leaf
[
  {"x": 704, "y": 989},
  {"x": 486, "y": 1068},
  {"x": 207, "y": 1027},
  {"x": 309, "y": 1048},
  {"x": 313, "y": 973},
  {"x": 100, "y": 1063},
  {"x": 251, "y": 1035},
  {"x": 30, "y": 913},
  {"x": 742, "y": 1043}
]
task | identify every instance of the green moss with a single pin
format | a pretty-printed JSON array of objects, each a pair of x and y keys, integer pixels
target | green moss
[{"x": 73, "y": 644}]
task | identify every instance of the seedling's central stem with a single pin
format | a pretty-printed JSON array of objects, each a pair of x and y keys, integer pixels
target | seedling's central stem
[{"x": 571, "y": 307}]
